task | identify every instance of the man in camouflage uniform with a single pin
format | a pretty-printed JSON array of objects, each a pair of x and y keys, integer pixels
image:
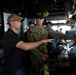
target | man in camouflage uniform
[
  {"x": 38, "y": 32},
  {"x": 39, "y": 54}
]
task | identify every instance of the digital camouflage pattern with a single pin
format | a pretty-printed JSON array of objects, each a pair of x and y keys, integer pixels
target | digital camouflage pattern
[
  {"x": 35, "y": 34},
  {"x": 58, "y": 35}
]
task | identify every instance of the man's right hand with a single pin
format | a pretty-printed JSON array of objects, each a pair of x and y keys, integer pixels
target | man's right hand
[{"x": 43, "y": 56}]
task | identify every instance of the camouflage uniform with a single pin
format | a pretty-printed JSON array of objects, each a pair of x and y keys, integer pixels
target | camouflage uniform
[
  {"x": 35, "y": 34},
  {"x": 58, "y": 35}
]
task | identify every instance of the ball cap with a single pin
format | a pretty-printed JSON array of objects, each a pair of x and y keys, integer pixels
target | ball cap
[
  {"x": 14, "y": 17},
  {"x": 30, "y": 22},
  {"x": 50, "y": 23},
  {"x": 40, "y": 15}
]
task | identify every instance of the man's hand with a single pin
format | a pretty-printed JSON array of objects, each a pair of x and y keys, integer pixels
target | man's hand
[{"x": 43, "y": 56}]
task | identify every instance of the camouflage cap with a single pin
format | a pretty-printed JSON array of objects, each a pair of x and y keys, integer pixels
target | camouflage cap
[{"x": 14, "y": 17}]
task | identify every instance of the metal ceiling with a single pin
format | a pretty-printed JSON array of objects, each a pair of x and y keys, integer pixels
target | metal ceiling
[{"x": 28, "y": 8}]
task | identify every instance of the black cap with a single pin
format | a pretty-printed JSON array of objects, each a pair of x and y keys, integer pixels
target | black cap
[
  {"x": 30, "y": 22},
  {"x": 48, "y": 23},
  {"x": 40, "y": 15}
]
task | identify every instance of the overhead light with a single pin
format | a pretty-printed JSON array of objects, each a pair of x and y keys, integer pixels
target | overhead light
[
  {"x": 58, "y": 21},
  {"x": 70, "y": 15}
]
